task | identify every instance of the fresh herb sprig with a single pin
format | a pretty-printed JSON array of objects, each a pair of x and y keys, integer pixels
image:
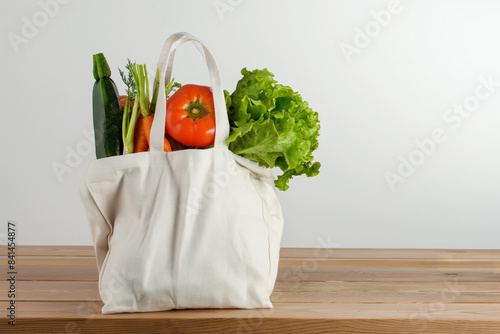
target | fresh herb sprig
[{"x": 128, "y": 79}]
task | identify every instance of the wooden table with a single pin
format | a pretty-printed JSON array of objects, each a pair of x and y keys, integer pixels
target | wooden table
[{"x": 318, "y": 291}]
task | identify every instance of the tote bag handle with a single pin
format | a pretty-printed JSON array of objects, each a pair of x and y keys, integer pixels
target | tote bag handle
[{"x": 165, "y": 64}]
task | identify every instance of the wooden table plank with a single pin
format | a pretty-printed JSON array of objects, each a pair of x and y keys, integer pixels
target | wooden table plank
[
  {"x": 91, "y": 309},
  {"x": 391, "y": 253},
  {"x": 34, "y": 250},
  {"x": 449, "y": 291},
  {"x": 297, "y": 292},
  {"x": 70, "y": 261},
  {"x": 53, "y": 273},
  {"x": 386, "y": 275},
  {"x": 52, "y": 291},
  {"x": 337, "y": 253},
  {"x": 390, "y": 263},
  {"x": 267, "y": 326},
  {"x": 307, "y": 318},
  {"x": 292, "y": 262},
  {"x": 89, "y": 273}
]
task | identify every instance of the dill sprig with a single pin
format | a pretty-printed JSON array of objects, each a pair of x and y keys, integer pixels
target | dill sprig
[{"x": 128, "y": 80}]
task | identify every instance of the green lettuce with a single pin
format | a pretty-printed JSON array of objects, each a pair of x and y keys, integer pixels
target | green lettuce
[{"x": 272, "y": 125}]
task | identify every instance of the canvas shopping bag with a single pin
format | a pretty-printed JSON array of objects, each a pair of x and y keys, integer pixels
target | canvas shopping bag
[{"x": 196, "y": 228}]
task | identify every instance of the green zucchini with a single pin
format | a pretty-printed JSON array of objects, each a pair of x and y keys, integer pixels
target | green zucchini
[{"x": 107, "y": 111}]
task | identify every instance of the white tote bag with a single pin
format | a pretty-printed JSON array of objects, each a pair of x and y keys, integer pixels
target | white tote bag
[{"x": 196, "y": 228}]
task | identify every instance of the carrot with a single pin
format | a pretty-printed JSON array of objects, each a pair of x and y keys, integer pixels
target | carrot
[
  {"x": 140, "y": 141},
  {"x": 176, "y": 146},
  {"x": 147, "y": 123}
]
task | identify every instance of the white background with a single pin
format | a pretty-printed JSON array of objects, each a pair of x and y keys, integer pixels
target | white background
[{"x": 373, "y": 105}]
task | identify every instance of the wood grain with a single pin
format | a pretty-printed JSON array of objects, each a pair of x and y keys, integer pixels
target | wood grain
[
  {"x": 62, "y": 268},
  {"x": 297, "y": 292},
  {"x": 320, "y": 252},
  {"x": 390, "y": 263},
  {"x": 387, "y": 275},
  {"x": 266, "y": 325},
  {"x": 53, "y": 273},
  {"x": 89, "y": 273},
  {"x": 438, "y": 263},
  {"x": 392, "y": 253},
  {"x": 283, "y": 318},
  {"x": 317, "y": 291},
  {"x": 34, "y": 250}
]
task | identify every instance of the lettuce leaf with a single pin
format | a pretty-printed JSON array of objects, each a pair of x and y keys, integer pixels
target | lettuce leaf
[{"x": 271, "y": 124}]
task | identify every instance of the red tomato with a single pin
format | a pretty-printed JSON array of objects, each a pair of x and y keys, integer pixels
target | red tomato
[{"x": 191, "y": 117}]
